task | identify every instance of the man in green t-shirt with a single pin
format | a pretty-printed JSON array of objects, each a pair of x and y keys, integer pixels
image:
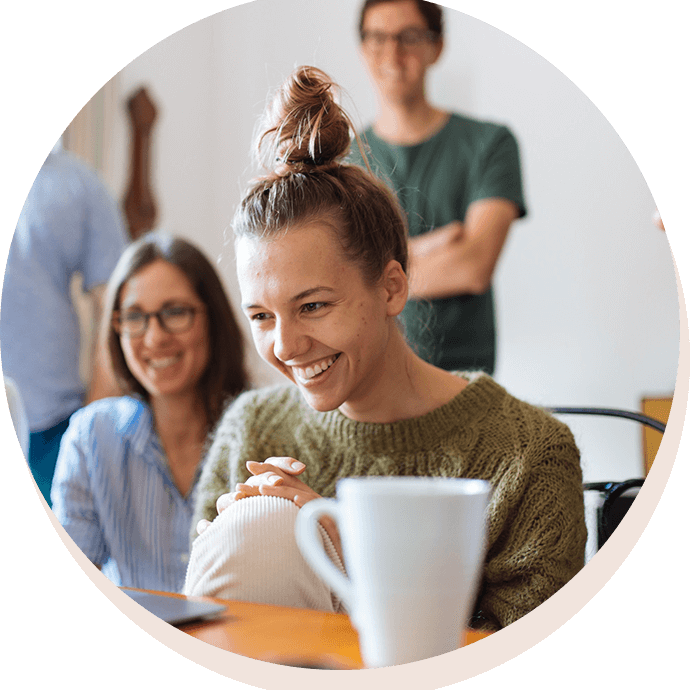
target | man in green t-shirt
[{"x": 458, "y": 180}]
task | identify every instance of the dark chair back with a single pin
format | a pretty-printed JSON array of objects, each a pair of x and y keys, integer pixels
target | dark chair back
[{"x": 617, "y": 497}]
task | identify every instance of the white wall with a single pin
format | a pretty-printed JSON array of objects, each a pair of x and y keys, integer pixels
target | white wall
[{"x": 587, "y": 303}]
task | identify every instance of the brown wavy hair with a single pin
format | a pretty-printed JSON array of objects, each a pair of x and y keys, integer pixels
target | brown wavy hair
[
  {"x": 225, "y": 375},
  {"x": 303, "y": 141}
]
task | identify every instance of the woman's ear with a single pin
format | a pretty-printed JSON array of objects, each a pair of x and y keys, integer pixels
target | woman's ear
[{"x": 395, "y": 284}]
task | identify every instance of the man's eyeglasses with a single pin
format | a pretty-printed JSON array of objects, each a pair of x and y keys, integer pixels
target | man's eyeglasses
[
  {"x": 407, "y": 39},
  {"x": 174, "y": 319}
]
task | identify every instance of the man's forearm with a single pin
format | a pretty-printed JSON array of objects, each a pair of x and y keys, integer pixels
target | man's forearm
[
  {"x": 446, "y": 272},
  {"x": 460, "y": 258}
]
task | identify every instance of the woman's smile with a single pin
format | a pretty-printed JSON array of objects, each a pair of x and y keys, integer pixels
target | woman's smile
[
  {"x": 314, "y": 372},
  {"x": 315, "y": 318},
  {"x": 164, "y": 362}
]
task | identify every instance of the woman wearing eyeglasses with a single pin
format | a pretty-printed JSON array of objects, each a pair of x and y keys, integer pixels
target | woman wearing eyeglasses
[
  {"x": 127, "y": 470},
  {"x": 458, "y": 179}
]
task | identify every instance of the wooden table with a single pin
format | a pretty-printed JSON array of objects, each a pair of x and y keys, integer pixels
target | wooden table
[{"x": 297, "y": 637}]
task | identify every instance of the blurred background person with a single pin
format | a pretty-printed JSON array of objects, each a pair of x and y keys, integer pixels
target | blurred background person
[
  {"x": 128, "y": 466},
  {"x": 69, "y": 225},
  {"x": 458, "y": 179}
]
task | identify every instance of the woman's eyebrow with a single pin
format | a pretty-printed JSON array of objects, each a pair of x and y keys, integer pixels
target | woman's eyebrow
[
  {"x": 302, "y": 295},
  {"x": 174, "y": 302},
  {"x": 306, "y": 293}
]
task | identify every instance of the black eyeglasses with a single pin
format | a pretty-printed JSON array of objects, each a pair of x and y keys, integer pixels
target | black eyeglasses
[
  {"x": 407, "y": 39},
  {"x": 174, "y": 319}
]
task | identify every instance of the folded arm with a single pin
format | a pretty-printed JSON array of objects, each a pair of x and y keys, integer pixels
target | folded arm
[{"x": 460, "y": 258}]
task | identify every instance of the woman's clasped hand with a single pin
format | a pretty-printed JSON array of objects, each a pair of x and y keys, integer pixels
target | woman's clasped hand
[{"x": 274, "y": 477}]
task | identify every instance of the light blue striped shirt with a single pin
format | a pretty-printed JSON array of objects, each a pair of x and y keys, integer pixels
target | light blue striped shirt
[{"x": 114, "y": 494}]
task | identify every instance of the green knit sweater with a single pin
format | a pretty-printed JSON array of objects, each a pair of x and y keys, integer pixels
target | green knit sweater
[{"x": 536, "y": 533}]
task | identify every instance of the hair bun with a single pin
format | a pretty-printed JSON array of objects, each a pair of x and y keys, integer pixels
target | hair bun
[{"x": 303, "y": 127}]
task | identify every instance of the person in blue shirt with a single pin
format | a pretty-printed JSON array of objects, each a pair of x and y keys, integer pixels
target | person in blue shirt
[
  {"x": 70, "y": 225},
  {"x": 127, "y": 470}
]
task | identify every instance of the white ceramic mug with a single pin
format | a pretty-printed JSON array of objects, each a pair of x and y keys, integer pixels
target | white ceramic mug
[{"x": 414, "y": 549}]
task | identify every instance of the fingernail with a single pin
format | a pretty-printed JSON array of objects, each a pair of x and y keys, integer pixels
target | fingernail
[
  {"x": 297, "y": 465},
  {"x": 272, "y": 479}
]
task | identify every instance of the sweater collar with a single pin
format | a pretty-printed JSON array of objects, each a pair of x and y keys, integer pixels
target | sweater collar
[{"x": 465, "y": 410}]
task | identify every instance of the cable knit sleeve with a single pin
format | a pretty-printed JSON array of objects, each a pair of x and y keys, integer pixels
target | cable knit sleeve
[
  {"x": 220, "y": 472},
  {"x": 537, "y": 530},
  {"x": 249, "y": 430}
]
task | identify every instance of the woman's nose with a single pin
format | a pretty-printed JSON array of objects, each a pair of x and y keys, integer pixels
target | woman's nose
[{"x": 289, "y": 341}]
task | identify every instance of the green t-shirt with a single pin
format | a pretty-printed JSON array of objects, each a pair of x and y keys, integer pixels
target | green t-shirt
[{"x": 435, "y": 182}]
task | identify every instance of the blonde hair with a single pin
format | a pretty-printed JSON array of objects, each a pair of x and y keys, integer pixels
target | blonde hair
[{"x": 304, "y": 139}]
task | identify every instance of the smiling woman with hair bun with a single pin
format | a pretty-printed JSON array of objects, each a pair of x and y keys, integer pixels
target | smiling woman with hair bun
[{"x": 321, "y": 250}]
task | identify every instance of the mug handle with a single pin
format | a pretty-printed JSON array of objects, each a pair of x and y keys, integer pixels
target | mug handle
[{"x": 311, "y": 546}]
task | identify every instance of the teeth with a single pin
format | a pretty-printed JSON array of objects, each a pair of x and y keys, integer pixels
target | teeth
[
  {"x": 162, "y": 363},
  {"x": 311, "y": 372}
]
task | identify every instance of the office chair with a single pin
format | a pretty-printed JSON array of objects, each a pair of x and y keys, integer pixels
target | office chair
[{"x": 617, "y": 497}]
